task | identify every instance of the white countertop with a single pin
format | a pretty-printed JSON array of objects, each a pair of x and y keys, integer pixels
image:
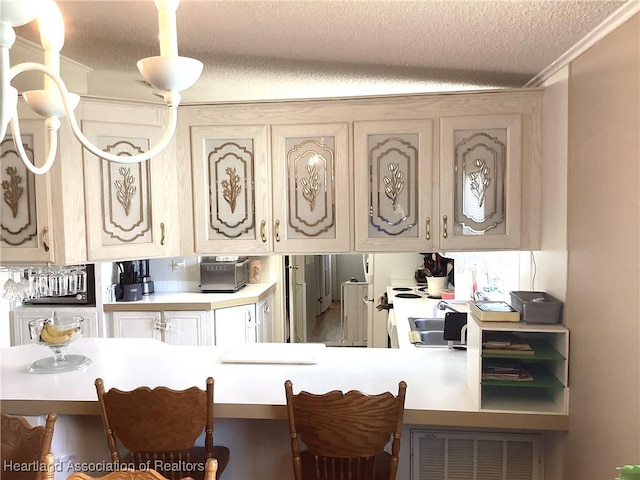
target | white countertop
[
  {"x": 251, "y": 293},
  {"x": 437, "y": 393}
]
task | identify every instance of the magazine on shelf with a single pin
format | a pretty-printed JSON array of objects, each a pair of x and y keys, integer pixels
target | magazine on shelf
[
  {"x": 501, "y": 369},
  {"x": 521, "y": 376},
  {"x": 505, "y": 342},
  {"x": 494, "y": 311}
]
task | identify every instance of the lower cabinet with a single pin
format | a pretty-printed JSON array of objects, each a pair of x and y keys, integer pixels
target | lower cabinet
[
  {"x": 188, "y": 328},
  {"x": 234, "y": 325},
  {"x": 249, "y": 323},
  {"x": 174, "y": 327},
  {"x": 264, "y": 319},
  {"x": 20, "y": 318}
]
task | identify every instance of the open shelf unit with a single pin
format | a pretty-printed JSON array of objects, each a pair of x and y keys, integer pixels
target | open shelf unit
[{"x": 546, "y": 393}]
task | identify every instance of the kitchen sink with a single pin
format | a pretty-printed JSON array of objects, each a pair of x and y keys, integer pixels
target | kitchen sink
[
  {"x": 429, "y": 332},
  {"x": 426, "y": 324}
]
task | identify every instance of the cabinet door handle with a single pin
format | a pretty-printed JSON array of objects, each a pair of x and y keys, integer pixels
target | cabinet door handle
[
  {"x": 263, "y": 226},
  {"x": 428, "y": 224},
  {"x": 45, "y": 236},
  {"x": 162, "y": 236},
  {"x": 277, "y": 230},
  {"x": 445, "y": 234}
]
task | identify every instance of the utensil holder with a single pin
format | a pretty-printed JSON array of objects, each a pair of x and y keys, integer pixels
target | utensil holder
[{"x": 435, "y": 286}]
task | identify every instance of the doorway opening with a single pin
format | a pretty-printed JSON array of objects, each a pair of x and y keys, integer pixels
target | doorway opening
[{"x": 314, "y": 296}]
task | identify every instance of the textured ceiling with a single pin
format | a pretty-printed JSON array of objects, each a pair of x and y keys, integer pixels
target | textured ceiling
[{"x": 273, "y": 49}]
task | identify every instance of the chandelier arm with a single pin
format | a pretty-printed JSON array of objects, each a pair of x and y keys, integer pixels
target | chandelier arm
[
  {"x": 140, "y": 157},
  {"x": 73, "y": 123},
  {"x": 51, "y": 152}
]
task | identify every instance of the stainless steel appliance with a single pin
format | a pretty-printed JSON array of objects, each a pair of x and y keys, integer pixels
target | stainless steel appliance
[{"x": 223, "y": 274}]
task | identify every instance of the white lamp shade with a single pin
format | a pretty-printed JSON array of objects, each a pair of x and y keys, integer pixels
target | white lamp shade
[
  {"x": 168, "y": 73},
  {"x": 48, "y": 103},
  {"x": 20, "y": 12}
]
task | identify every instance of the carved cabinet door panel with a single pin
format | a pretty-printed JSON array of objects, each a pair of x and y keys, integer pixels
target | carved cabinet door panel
[
  {"x": 136, "y": 325},
  {"x": 188, "y": 328},
  {"x": 394, "y": 189},
  {"x": 230, "y": 189},
  {"x": 480, "y": 181},
  {"x": 130, "y": 207},
  {"x": 24, "y": 212},
  {"x": 311, "y": 188}
]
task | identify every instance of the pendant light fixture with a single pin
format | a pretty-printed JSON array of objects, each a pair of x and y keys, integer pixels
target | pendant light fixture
[{"x": 168, "y": 72}]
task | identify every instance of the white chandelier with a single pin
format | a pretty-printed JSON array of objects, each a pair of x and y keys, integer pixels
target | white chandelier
[{"x": 169, "y": 73}]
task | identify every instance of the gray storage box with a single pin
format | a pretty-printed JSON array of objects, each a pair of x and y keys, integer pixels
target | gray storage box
[{"x": 537, "y": 307}]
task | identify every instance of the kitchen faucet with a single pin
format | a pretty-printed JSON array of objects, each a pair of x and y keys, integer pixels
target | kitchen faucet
[{"x": 442, "y": 305}]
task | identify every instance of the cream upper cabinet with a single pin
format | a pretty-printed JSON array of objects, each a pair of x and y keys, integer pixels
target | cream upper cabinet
[
  {"x": 480, "y": 182},
  {"x": 86, "y": 209},
  {"x": 291, "y": 197},
  {"x": 394, "y": 190},
  {"x": 130, "y": 208},
  {"x": 25, "y": 211},
  {"x": 49, "y": 221},
  {"x": 230, "y": 188},
  {"x": 311, "y": 188},
  {"x": 440, "y": 172}
]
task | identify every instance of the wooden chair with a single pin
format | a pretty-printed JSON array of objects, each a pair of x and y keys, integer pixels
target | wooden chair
[
  {"x": 161, "y": 426},
  {"x": 345, "y": 434},
  {"x": 22, "y": 443},
  {"x": 211, "y": 467}
]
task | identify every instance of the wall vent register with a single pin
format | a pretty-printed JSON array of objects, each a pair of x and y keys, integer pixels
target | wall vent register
[{"x": 446, "y": 455}]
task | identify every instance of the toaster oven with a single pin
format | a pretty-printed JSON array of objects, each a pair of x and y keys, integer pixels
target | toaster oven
[{"x": 223, "y": 275}]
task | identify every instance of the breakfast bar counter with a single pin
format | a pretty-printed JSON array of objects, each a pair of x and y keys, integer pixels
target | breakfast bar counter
[{"x": 437, "y": 392}]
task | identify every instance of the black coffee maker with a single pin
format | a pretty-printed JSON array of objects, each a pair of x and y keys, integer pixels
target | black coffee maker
[{"x": 134, "y": 280}]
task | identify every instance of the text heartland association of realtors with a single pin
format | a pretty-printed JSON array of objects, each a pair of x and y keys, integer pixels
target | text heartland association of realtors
[{"x": 158, "y": 465}]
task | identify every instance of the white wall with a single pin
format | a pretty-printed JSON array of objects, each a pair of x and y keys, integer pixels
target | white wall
[
  {"x": 550, "y": 266},
  {"x": 349, "y": 266},
  {"x": 603, "y": 240},
  {"x": 179, "y": 274}
]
